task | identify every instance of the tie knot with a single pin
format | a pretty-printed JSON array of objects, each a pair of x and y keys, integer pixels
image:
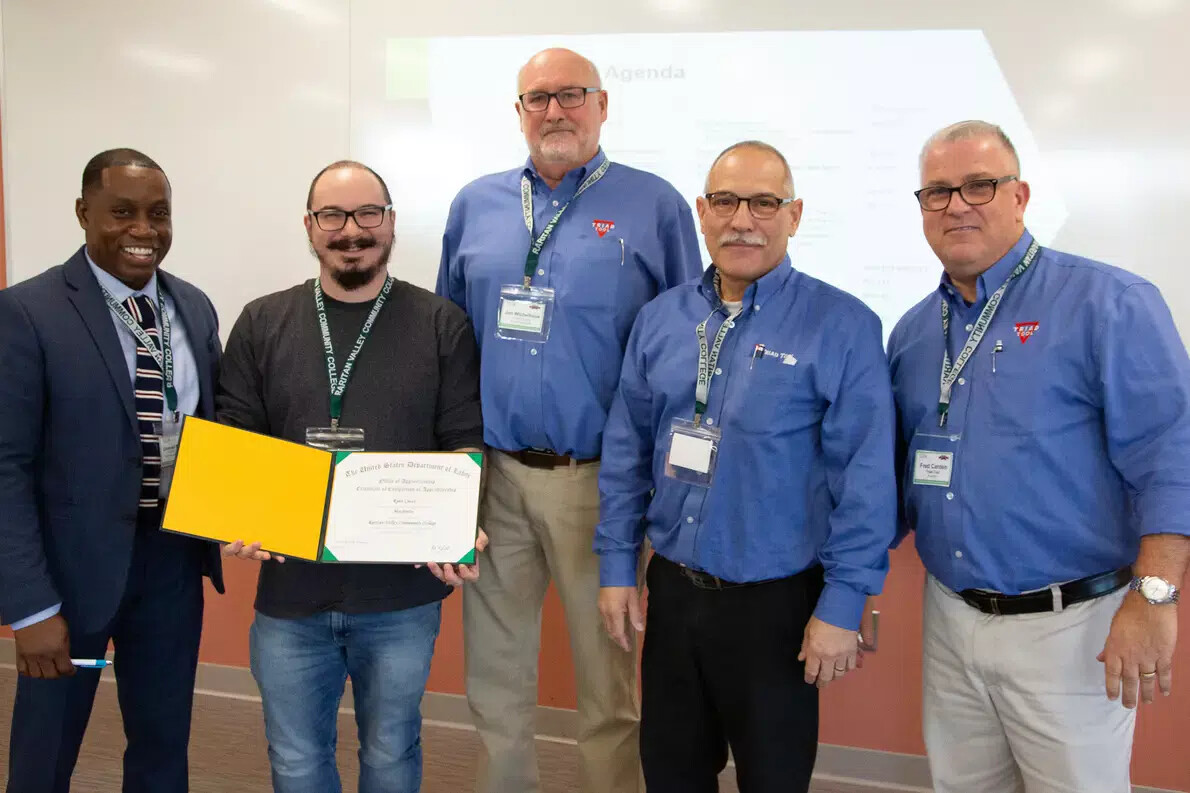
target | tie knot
[{"x": 142, "y": 310}]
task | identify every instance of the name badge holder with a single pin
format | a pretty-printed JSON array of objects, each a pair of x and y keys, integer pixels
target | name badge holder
[
  {"x": 336, "y": 439},
  {"x": 526, "y": 311}
]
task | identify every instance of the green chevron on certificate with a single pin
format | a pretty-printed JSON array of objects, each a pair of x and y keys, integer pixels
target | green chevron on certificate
[{"x": 407, "y": 507}]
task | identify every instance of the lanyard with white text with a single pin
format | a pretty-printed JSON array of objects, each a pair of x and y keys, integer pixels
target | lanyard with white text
[
  {"x": 162, "y": 353},
  {"x": 707, "y": 361},
  {"x": 527, "y": 207},
  {"x": 951, "y": 373},
  {"x": 339, "y": 384}
]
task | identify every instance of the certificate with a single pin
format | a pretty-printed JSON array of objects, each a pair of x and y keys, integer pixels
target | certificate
[{"x": 323, "y": 506}]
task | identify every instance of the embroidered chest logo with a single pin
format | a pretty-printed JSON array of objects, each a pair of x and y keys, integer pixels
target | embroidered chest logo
[
  {"x": 760, "y": 352},
  {"x": 603, "y": 226},
  {"x": 1026, "y": 329}
]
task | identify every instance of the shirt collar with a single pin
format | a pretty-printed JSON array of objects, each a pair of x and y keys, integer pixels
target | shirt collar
[
  {"x": 117, "y": 288},
  {"x": 994, "y": 277},
  {"x": 758, "y": 292},
  {"x": 577, "y": 175}
]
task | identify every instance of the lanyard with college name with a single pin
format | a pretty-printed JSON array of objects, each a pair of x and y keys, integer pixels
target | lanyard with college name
[
  {"x": 527, "y": 208},
  {"x": 339, "y": 383},
  {"x": 161, "y": 353},
  {"x": 708, "y": 360},
  {"x": 951, "y": 373}
]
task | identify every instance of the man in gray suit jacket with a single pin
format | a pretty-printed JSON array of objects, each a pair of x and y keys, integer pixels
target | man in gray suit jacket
[{"x": 100, "y": 358}]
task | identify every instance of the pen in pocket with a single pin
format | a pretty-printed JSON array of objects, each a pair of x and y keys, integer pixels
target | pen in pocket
[
  {"x": 998, "y": 348},
  {"x": 621, "y": 251}
]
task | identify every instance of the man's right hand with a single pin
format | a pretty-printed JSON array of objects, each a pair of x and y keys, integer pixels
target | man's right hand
[
  {"x": 43, "y": 649},
  {"x": 241, "y": 551},
  {"x": 616, "y": 602}
]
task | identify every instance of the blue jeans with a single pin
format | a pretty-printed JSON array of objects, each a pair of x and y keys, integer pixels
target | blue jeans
[{"x": 301, "y": 666}]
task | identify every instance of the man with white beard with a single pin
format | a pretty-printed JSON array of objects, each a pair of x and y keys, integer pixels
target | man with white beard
[
  {"x": 389, "y": 367},
  {"x": 552, "y": 261}
]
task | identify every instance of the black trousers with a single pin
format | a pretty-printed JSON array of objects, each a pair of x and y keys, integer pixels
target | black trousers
[
  {"x": 156, "y": 634},
  {"x": 720, "y": 669}
]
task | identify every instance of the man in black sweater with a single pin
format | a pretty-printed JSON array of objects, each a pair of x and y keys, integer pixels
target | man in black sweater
[{"x": 411, "y": 374}]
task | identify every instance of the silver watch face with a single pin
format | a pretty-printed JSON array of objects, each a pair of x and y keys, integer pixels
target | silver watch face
[{"x": 1154, "y": 588}]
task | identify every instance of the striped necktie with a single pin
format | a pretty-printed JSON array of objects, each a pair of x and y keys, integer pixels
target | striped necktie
[{"x": 150, "y": 400}]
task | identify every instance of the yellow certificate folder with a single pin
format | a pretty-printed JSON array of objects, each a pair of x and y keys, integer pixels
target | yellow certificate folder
[{"x": 230, "y": 484}]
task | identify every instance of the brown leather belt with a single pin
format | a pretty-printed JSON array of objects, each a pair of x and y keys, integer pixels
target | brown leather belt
[
  {"x": 1045, "y": 600},
  {"x": 544, "y": 458}
]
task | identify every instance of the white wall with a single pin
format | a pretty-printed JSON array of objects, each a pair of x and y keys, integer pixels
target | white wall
[{"x": 243, "y": 100}]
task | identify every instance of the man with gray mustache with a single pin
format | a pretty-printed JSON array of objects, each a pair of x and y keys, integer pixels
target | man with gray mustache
[{"x": 751, "y": 440}]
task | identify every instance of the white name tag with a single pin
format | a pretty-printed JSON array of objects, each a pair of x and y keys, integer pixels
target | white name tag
[
  {"x": 523, "y": 315},
  {"x": 169, "y": 440},
  {"x": 932, "y": 468},
  {"x": 691, "y": 453}
]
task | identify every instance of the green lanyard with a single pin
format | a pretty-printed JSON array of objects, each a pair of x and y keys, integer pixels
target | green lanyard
[
  {"x": 951, "y": 373},
  {"x": 707, "y": 361},
  {"x": 339, "y": 384},
  {"x": 527, "y": 208},
  {"x": 162, "y": 353}
]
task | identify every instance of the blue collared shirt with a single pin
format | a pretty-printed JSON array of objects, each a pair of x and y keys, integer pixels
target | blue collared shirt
[
  {"x": 185, "y": 369},
  {"x": 1072, "y": 449},
  {"x": 805, "y": 466},
  {"x": 621, "y": 243}
]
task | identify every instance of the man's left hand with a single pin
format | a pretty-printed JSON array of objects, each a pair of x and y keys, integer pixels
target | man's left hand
[
  {"x": 829, "y": 652},
  {"x": 458, "y": 574},
  {"x": 1138, "y": 653}
]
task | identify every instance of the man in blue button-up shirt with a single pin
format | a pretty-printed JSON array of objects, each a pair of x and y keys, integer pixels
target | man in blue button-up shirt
[
  {"x": 552, "y": 261},
  {"x": 771, "y": 518},
  {"x": 1044, "y": 449}
]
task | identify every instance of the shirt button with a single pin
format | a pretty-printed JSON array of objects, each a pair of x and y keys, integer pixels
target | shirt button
[
  {"x": 532, "y": 350},
  {"x": 969, "y": 327},
  {"x": 731, "y": 324},
  {"x": 710, "y": 422},
  {"x": 718, "y": 371},
  {"x": 950, "y": 496},
  {"x": 962, "y": 381},
  {"x": 756, "y": 308},
  {"x": 556, "y": 203},
  {"x": 689, "y": 520},
  {"x": 958, "y": 554},
  {"x": 541, "y": 272}
]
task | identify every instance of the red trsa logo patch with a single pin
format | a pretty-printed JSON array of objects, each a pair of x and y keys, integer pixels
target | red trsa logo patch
[
  {"x": 1026, "y": 329},
  {"x": 603, "y": 226}
]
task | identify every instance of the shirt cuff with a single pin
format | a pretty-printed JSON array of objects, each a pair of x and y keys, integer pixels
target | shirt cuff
[
  {"x": 841, "y": 606},
  {"x": 40, "y": 616},
  {"x": 617, "y": 569}
]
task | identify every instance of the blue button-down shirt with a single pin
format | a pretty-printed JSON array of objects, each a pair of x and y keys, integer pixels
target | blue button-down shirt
[
  {"x": 185, "y": 369},
  {"x": 1076, "y": 445},
  {"x": 805, "y": 466},
  {"x": 622, "y": 242}
]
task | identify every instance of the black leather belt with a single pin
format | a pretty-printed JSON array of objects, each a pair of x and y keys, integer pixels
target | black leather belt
[
  {"x": 706, "y": 580},
  {"x": 544, "y": 458},
  {"x": 1044, "y": 599}
]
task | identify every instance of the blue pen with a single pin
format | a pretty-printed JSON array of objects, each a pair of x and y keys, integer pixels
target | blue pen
[{"x": 90, "y": 663}]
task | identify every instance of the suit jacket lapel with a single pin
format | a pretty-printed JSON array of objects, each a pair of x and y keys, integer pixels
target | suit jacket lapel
[{"x": 88, "y": 301}]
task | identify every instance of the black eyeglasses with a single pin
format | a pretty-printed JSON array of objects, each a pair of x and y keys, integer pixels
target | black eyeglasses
[
  {"x": 568, "y": 98},
  {"x": 366, "y": 217},
  {"x": 976, "y": 192},
  {"x": 762, "y": 205}
]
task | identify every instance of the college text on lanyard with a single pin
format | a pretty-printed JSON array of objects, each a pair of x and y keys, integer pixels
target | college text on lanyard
[
  {"x": 950, "y": 373},
  {"x": 161, "y": 353},
  {"x": 693, "y": 446},
  {"x": 334, "y": 437},
  {"x": 526, "y": 311}
]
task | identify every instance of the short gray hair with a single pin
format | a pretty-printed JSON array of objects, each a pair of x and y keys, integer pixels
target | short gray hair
[
  {"x": 756, "y": 145},
  {"x": 964, "y": 130}
]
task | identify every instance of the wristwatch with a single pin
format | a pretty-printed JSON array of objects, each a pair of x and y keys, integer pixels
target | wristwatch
[{"x": 1155, "y": 589}]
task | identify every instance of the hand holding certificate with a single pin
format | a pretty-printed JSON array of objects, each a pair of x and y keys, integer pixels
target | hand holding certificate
[{"x": 325, "y": 506}]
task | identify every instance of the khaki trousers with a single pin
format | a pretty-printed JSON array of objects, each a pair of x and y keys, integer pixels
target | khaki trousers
[
  {"x": 1017, "y": 703},
  {"x": 541, "y": 524}
]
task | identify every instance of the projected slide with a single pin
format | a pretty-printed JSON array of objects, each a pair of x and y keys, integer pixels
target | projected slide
[{"x": 849, "y": 109}]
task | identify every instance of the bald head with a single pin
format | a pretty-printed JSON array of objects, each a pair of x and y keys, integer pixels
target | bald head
[
  {"x": 764, "y": 150},
  {"x": 972, "y": 130},
  {"x": 558, "y": 60}
]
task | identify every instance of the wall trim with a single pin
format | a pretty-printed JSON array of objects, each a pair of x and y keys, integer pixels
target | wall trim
[{"x": 838, "y": 764}]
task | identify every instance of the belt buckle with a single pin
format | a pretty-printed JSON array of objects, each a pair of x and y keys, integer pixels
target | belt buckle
[
  {"x": 702, "y": 580},
  {"x": 539, "y": 458}
]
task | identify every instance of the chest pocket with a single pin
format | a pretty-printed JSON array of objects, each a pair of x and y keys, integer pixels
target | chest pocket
[
  {"x": 1026, "y": 394},
  {"x": 593, "y": 274},
  {"x": 774, "y": 397}
]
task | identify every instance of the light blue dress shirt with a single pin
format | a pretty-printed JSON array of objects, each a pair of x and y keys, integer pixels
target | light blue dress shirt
[
  {"x": 621, "y": 243},
  {"x": 1072, "y": 449},
  {"x": 185, "y": 368},
  {"x": 805, "y": 468}
]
